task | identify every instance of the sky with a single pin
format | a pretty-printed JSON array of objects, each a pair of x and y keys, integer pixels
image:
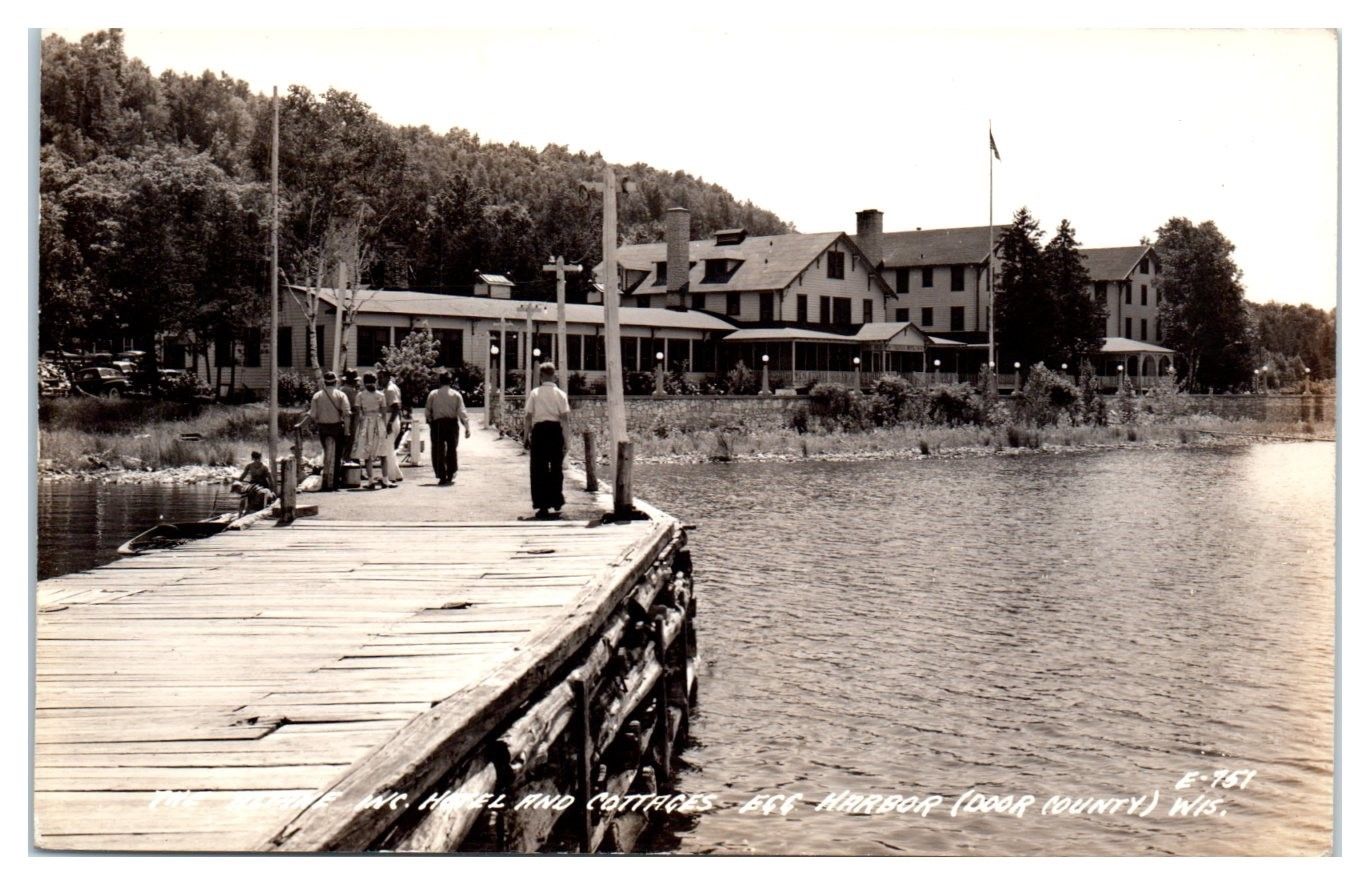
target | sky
[{"x": 1115, "y": 130}]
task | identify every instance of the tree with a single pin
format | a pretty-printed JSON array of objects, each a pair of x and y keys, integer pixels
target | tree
[
  {"x": 1203, "y": 315},
  {"x": 1025, "y": 318},
  {"x": 412, "y": 363},
  {"x": 1080, "y": 315}
]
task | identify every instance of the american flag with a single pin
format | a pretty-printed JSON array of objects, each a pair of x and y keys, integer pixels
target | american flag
[{"x": 994, "y": 147}]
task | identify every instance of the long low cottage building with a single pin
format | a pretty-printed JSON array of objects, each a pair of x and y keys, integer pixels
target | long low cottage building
[{"x": 814, "y": 307}]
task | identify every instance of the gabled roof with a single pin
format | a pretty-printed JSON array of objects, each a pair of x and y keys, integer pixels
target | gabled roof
[
  {"x": 495, "y": 279},
  {"x": 1127, "y": 345},
  {"x": 769, "y": 262},
  {"x": 1113, "y": 263},
  {"x": 788, "y": 334},
  {"x": 888, "y": 331},
  {"x": 951, "y": 245},
  {"x": 421, "y": 304}
]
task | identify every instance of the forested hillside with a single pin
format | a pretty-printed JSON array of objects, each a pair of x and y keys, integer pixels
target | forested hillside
[{"x": 155, "y": 199}]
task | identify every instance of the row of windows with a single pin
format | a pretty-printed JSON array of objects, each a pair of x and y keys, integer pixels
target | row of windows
[
  {"x": 1101, "y": 291},
  {"x": 901, "y": 278},
  {"x": 1127, "y": 329}
]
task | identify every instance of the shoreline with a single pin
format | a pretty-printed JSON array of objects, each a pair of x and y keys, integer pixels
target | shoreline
[{"x": 204, "y": 475}]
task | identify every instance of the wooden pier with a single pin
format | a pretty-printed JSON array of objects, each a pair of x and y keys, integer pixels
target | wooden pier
[{"x": 354, "y": 685}]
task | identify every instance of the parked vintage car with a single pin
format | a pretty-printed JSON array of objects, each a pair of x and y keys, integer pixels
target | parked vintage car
[
  {"x": 102, "y": 381},
  {"x": 52, "y": 381}
]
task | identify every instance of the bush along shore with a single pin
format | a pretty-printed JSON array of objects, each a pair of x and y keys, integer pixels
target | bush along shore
[
  {"x": 897, "y": 419},
  {"x": 124, "y": 440}
]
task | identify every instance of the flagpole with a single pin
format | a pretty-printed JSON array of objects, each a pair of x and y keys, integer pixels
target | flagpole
[{"x": 989, "y": 263}]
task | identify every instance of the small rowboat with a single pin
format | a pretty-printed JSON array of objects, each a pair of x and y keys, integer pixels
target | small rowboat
[{"x": 166, "y": 535}]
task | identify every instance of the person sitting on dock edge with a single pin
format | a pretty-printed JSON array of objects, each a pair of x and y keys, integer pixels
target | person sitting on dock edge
[
  {"x": 546, "y": 418},
  {"x": 444, "y": 409},
  {"x": 256, "y": 485}
]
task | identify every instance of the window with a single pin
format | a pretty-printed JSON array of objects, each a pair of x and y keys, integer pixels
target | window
[
  {"x": 1101, "y": 290},
  {"x": 853, "y": 262},
  {"x": 573, "y": 361},
  {"x": 705, "y": 356},
  {"x": 927, "y": 317},
  {"x": 825, "y": 310},
  {"x": 867, "y": 311},
  {"x": 660, "y": 274},
  {"x": 958, "y": 319},
  {"x": 1144, "y": 266},
  {"x": 1127, "y": 327},
  {"x": 841, "y": 311},
  {"x": 1127, "y": 293},
  {"x": 836, "y": 269},
  {"x": 644, "y": 301},
  {"x": 697, "y": 300},
  {"x": 1144, "y": 328},
  {"x": 958, "y": 279},
  {"x": 802, "y": 309},
  {"x": 285, "y": 356},
  {"x": 927, "y": 278},
  {"x": 224, "y": 349},
  {"x": 1143, "y": 296},
  {"x": 592, "y": 353},
  {"x": 901, "y": 314},
  {"x": 715, "y": 270},
  {"x": 734, "y": 306},
  {"x": 1158, "y": 329},
  {"x": 449, "y": 347},
  {"x": 901, "y": 280},
  {"x": 318, "y": 344},
  {"x": 370, "y": 340},
  {"x": 252, "y": 348},
  {"x": 767, "y": 305},
  {"x": 628, "y": 347}
]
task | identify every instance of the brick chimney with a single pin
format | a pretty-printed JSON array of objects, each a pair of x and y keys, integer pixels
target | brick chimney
[
  {"x": 677, "y": 257},
  {"x": 870, "y": 234}
]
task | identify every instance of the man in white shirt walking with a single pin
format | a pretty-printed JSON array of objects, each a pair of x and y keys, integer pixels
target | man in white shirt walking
[{"x": 547, "y": 421}]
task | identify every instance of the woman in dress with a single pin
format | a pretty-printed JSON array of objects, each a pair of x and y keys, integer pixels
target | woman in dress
[{"x": 370, "y": 443}]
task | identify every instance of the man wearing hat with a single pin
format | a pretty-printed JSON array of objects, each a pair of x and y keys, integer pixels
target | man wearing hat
[
  {"x": 330, "y": 413},
  {"x": 351, "y": 386}
]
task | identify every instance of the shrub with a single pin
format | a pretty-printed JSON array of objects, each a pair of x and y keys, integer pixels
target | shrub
[
  {"x": 577, "y": 384},
  {"x": 1127, "y": 404},
  {"x": 677, "y": 384},
  {"x": 896, "y": 400},
  {"x": 294, "y": 388},
  {"x": 639, "y": 383},
  {"x": 1045, "y": 396},
  {"x": 954, "y": 404},
  {"x": 741, "y": 380},
  {"x": 799, "y": 420},
  {"x": 1163, "y": 400},
  {"x": 839, "y": 407}
]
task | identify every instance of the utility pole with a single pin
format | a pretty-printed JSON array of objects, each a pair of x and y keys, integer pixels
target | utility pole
[
  {"x": 275, "y": 342},
  {"x": 528, "y": 309},
  {"x": 338, "y": 318},
  {"x": 562, "y": 268}
]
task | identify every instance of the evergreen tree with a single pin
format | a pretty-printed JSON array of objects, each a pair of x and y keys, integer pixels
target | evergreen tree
[
  {"x": 1081, "y": 316},
  {"x": 1024, "y": 317}
]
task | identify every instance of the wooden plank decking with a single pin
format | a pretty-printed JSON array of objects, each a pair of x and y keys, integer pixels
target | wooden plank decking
[{"x": 259, "y": 668}]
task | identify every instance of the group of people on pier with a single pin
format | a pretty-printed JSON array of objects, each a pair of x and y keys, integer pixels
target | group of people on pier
[{"x": 364, "y": 423}]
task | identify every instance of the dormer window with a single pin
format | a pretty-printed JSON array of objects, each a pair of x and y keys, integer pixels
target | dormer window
[
  {"x": 716, "y": 270},
  {"x": 660, "y": 274},
  {"x": 730, "y": 237},
  {"x": 836, "y": 267},
  {"x": 1144, "y": 266}
]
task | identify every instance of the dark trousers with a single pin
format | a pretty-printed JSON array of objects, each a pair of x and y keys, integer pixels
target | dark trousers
[
  {"x": 545, "y": 451},
  {"x": 334, "y": 431},
  {"x": 445, "y": 447}
]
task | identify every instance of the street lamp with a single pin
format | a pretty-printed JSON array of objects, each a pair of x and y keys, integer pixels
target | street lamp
[
  {"x": 765, "y": 374},
  {"x": 1121, "y": 369},
  {"x": 1307, "y": 380},
  {"x": 660, "y": 375},
  {"x": 490, "y": 365},
  {"x": 936, "y": 370},
  {"x": 856, "y": 363},
  {"x": 1017, "y": 366}
]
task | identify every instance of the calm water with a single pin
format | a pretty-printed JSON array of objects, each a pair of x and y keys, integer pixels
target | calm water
[
  {"x": 1083, "y": 625},
  {"x": 1086, "y": 625},
  {"x": 82, "y": 524}
]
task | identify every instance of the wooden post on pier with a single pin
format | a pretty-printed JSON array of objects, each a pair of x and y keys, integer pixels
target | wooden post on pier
[
  {"x": 623, "y": 481},
  {"x": 591, "y": 481},
  {"x": 288, "y": 482}
]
